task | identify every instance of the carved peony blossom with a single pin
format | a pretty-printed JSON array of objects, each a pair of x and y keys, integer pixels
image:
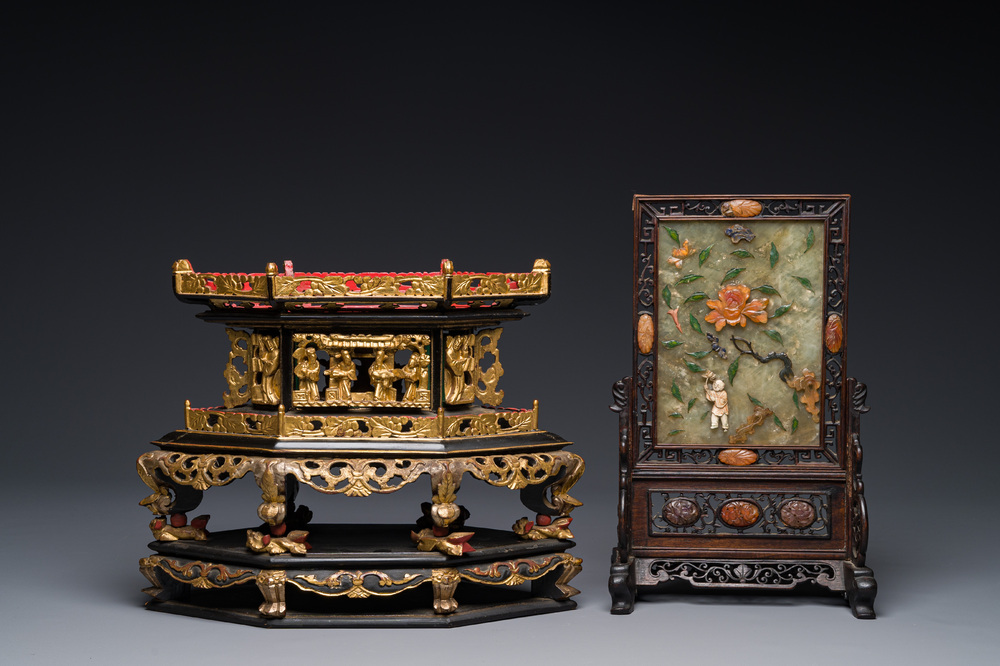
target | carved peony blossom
[{"x": 732, "y": 308}]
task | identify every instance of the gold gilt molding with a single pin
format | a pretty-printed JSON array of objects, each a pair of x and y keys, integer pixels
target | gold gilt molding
[
  {"x": 488, "y": 378},
  {"x": 306, "y": 286},
  {"x": 238, "y": 382},
  {"x": 498, "y": 422},
  {"x": 474, "y": 289},
  {"x": 357, "y": 477},
  {"x": 352, "y": 584},
  {"x": 515, "y": 572},
  {"x": 202, "y": 575},
  {"x": 265, "y": 364}
]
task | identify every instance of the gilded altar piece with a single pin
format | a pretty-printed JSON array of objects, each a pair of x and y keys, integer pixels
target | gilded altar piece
[{"x": 361, "y": 384}]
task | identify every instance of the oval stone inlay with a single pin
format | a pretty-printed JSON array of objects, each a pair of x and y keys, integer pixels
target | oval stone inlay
[
  {"x": 834, "y": 334},
  {"x": 739, "y": 513},
  {"x": 681, "y": 512},
  {"x": 797, "y": 514},
  {"x": 737, "y": 457},
  {"x": 741, "y": 208},
  {"x": 645, "y": 334}
]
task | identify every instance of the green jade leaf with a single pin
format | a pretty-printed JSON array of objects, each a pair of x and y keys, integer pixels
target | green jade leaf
[
  {"x": 674, "y": 432},
  {"x": 774, "y": 335},
  {"x": 755, "y": 400},
  {"x": 676, "y": 415},
  {"x": 673, "y": 235},
  {"x": 694, "y": 367},
  {"x": 676, "y": 392},
  {"x": 670, "y": 344},
  {"x": 704, "y": 415},
  {"x": 696, "y": 296},
  {"x": 666, "y": 295},
  {"x": 703, "y": 255},
  {"x": 690, "y": 277},
  {"x": 774, "y": 255},
  {"x": 695, "y": 325},
  {"x": 782, "y": 310},
  {"x": 795, "y": 424},
  {"x": 733, "y": 369},
  {"x": 777, "y": 422},
  {"x": 805, "y": 282},
  {"x": 742, "y": 254},
  {"x": 699, "y": 354},
  {"x": 766, "y": 289},
  {"x": 731, "y": 273},
  {"x": 810, "y": 239},
  {"x": 691, "y": 403},
  {"x": 795, "y": 399}
]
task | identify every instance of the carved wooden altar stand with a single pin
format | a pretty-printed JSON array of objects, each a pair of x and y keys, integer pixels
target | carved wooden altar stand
[{"x": 361, "y": 384}]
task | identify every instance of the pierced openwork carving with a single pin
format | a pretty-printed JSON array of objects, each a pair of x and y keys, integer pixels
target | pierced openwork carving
[
  {"x": 515, "y": 572},
  {"x": 358, "y": 584},
  {"x": 167, "y": 472},
  {"x": 740, "y": 513},
  {"x": 239, "y": 350},
  {"x": 361, "y": 370},
  {"x": 736, "y": 573},
  {"x": 488, "y": 373},
  {"x": 459, "y": 369}
]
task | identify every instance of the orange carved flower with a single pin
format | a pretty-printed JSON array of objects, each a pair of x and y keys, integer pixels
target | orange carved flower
[{"x": 732, "y": 308}]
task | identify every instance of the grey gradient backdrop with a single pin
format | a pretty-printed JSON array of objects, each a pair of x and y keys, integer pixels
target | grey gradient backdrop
[{"x": 385, "y": 139}]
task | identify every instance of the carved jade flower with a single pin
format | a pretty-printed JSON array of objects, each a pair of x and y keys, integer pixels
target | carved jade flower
[{"x": 732, "y": 308}]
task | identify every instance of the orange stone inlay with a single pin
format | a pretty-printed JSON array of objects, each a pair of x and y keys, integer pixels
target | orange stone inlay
[
  {"x": 645, "y": 336},
  {"x": 739, "y": 513},
  {"x": 737, "y": 457},
  {"x": 834, "y": 335}
]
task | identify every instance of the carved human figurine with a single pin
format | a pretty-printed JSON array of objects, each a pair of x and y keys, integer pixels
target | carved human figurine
[
  {"x": 413, "y": 374},
  {"x": 342, "y": 373},
  {"x": 382, "y": 376},
  {"x": 265, "y": 361},
  {"x": 458, "y": 361},
  {"x": 715, "y": 393},
  {"x": 307, "y": 370}
]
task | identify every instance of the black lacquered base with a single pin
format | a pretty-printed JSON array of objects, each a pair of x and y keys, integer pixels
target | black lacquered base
[{"x": 361, "y": 576}]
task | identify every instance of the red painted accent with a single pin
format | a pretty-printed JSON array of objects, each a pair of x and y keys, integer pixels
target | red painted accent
[
  {"x": 178, "y": 520},
  {"x": 158, "y": 524},
  {"x": 440, "y": 531},
  {"x": 200, "y": 522},
  {"x": 543, "y": 520},
  {"x": 279, "y": 530},
  {"x": 266, "y": 540}
]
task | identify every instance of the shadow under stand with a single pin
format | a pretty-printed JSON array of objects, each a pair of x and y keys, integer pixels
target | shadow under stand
[{"x": 358, "y": 385}]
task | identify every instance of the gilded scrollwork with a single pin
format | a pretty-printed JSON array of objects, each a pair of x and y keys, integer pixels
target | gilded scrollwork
[
  {"x": 356, "y": 585},
  {"x": 425, "y": 286},
  {"x": 198, "y": 574},
  {"x": 485, "y": 382},
  {"x": 231, "y": 423},
  {"x": 238, "y": 383},
  {"x": 515, "y": 572}
]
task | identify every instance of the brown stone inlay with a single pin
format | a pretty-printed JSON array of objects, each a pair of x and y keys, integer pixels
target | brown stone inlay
[
  {"x": 645, "y": 335},
  {"x": 737, "y": 457},
  {"x": 681, "y": 512},
  {"x": 797, "y": 514},
  {"x": 739, "y": 513},
  {"x": 834, "y": 335}
]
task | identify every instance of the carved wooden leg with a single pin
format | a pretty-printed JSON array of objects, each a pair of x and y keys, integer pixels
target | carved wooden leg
[
  {"x": 170, "y": 503},
  {"x": 558, "y": 587},
  {"x": 272, "y": 585},
  {"x": 621, "y": 583},
  {"x": 163, "y": 586},
  {"x": 861, "y": 591},
  {"x": 445, "y": 581}
]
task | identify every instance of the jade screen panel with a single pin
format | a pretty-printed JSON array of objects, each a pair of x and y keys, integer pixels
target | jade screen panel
[{"x": 740, "y": 331}]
